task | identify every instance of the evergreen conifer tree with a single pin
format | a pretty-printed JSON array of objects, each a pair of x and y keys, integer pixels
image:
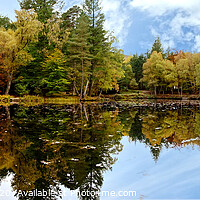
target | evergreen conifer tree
[
  {"x": 80, "y": 56},
  {"x": 97, "y": 39}
]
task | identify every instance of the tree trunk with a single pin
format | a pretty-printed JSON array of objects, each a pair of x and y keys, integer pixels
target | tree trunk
[
  {"x": 93, "y": 44},
  {"x": 181, "y": 90},
  {"x": 86, "y": 89},
  {"x": 160, "y": 90},
  {"x": 9, "y": 84},
  {"x": 81, "y": 108},
  {"x": 155, "y": 91},
  {"x": 9, "y": 125},
  {"x": 76, "y": 88},
  {"x": 8, "y": 113},
  {"x": 100, "y": 93},
  {"x": 90, "y": 88},
  {"x": 81, "y": 95},
  {"x": 86, "y": 116}
]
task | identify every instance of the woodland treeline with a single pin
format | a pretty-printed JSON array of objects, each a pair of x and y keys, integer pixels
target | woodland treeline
[
  {"x": 47, "y": 51},
  {"x": 163, "y": 72},
  {"x": 50, "y": 52}
]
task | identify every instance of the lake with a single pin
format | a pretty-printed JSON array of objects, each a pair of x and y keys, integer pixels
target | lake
[{"x": 99, "y": 151}]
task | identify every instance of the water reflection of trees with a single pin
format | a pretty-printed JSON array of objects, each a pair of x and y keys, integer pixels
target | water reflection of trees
[
  {"x": 49, "y": 146},
  {"x": 45, "y": 147},
  {"x": 163, "y": 128}
]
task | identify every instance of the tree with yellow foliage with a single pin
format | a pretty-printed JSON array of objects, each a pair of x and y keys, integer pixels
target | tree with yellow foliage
[
  {"x": 153, "y": 71},
  {"x": 14, "y": 43}
]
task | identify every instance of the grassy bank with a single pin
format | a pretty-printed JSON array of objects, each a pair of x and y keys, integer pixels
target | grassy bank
[{"x": 30, "y": 100}]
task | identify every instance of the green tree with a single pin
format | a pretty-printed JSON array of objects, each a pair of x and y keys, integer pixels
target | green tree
[
  {"x": 55, "y": 74},
  {"x": 106, "y": 60},
  {"x": 128, "y": 81},
  {"x": 52, "y": 36},
  {"x": 6, "y": 23},
  {"x": 97, "y": 39},
  {"x": 69, "y": 18},
  {"x": 110, "y": 70},
  {"x": 44, "y": 8},
  {"x": 69, "y": 22},
  {"x": 157, "y": 46},
  {"x": 136, "y": 63},
  {"x": 79, "y": 57}
]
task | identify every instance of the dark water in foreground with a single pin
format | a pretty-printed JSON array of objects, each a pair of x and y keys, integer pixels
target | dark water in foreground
[{"x": 83, "y": 151}]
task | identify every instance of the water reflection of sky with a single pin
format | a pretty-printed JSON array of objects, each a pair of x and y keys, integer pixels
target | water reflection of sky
[{"x": 176, "y": 174}]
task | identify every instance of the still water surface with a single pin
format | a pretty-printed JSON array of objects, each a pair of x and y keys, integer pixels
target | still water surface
[{"x": 69, "y": 150}]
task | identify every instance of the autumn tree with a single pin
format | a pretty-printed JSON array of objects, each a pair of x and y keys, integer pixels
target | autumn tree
[
  {"x": 198, "y": 75},
  {"x": 45, "y": 9},
  {"x": 14, "y": 43},
  {"x": 110, "y": 71},
  {"x": 185, "y": 69},
  {"x": 56, "y": 35},
  {"x": 170, "y": 75},
  {"x": 193, "y": 60},
  {"x": 153, "y": 71},
  {"x": 197, "y": 69},
  {"x": 3, "y": 80},
  {"x": 182, "y": 70},
  {"x": 52, "y": 35}
]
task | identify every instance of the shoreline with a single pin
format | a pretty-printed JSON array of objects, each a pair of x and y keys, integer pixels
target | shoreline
[{"x": 159, "y": 101}]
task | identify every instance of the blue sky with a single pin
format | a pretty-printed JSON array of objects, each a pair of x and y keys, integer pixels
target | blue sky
[{"x": 136, "y": 23}]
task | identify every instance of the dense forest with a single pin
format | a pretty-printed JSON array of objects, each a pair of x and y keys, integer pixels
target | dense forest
[{"x": 47, "y": 51}]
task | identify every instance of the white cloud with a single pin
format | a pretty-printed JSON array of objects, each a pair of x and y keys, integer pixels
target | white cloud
[
  {"x": 197, "y": 43},
  {"x": 117, "y": 18},
  {"x": 110, "y": 5},
  {"x": 160, "y": 7},
  {"x": 177, "y": 21}
]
